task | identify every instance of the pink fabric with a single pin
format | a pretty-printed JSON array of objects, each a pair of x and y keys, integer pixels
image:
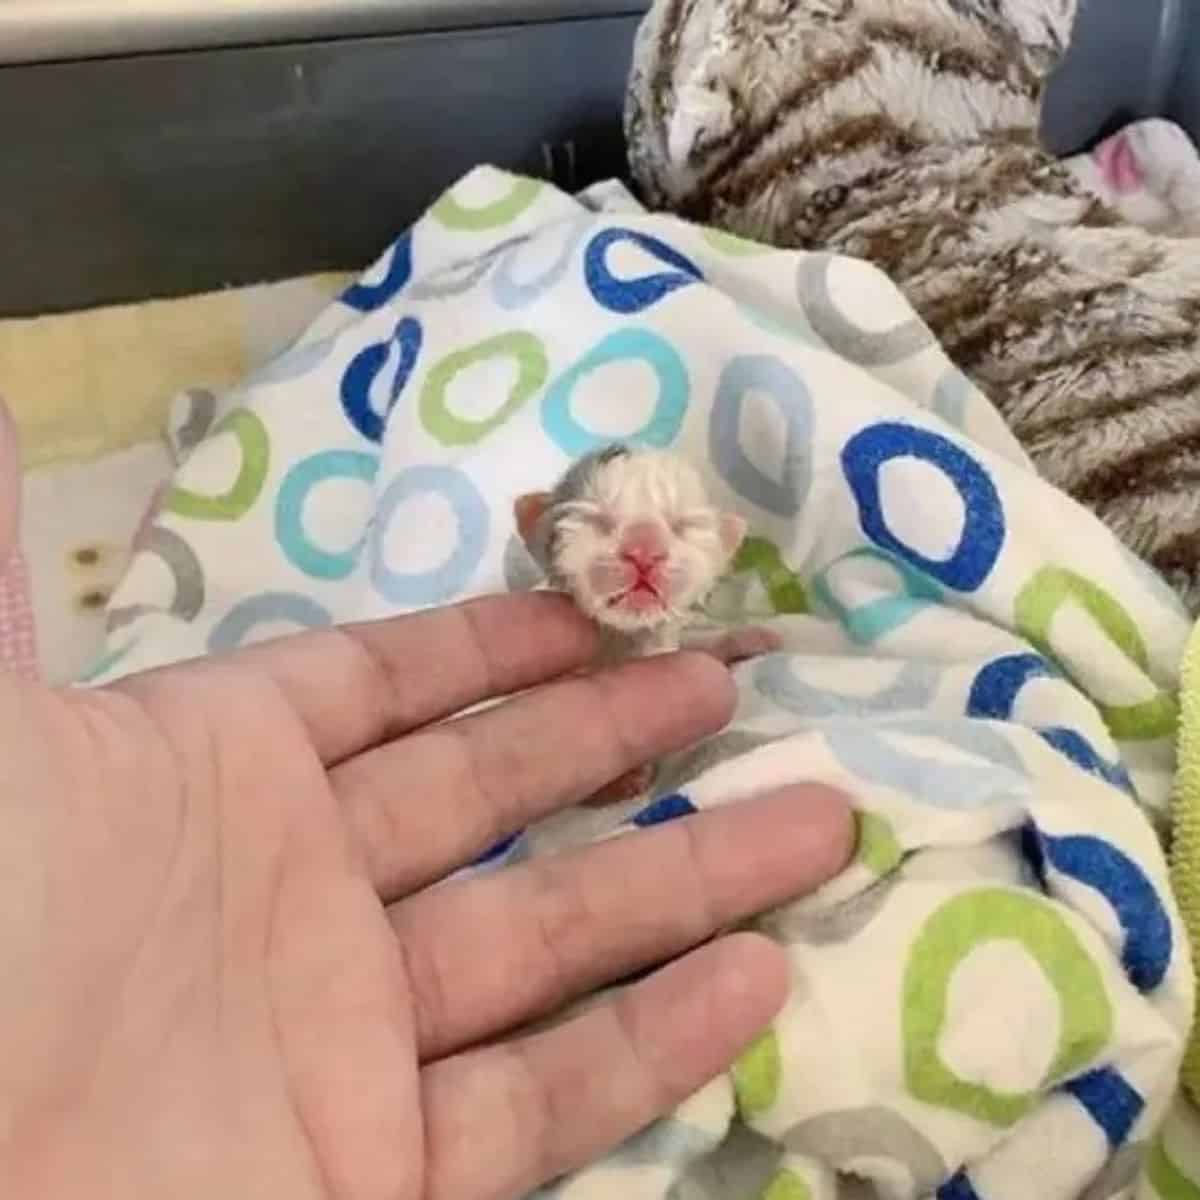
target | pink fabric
[{"x": 18, "y": 637}]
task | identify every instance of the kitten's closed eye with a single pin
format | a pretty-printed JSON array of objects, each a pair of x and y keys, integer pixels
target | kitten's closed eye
[
  {"x": 592, "y": 515},
  {"x": 689, "y": 523}
]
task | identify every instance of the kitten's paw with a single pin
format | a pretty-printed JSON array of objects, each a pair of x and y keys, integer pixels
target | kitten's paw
[
  {"x": 625, "y": 787},
  {"x": 740, "y": 644}
]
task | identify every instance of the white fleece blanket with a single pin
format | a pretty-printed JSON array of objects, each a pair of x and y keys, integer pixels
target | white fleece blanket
[{"x": 998, "y": 989}]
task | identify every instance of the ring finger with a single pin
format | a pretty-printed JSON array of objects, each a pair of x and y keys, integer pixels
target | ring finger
[
  {"x": 496, "y": 771},
  {"x": 535, "y": 936}
]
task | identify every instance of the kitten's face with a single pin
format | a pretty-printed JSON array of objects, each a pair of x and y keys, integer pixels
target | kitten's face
[{"x": 642, "y": 543}]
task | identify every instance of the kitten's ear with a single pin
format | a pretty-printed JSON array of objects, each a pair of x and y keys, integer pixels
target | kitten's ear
[
  {"x": 528, "y": 511},
  {"x": 733, "y": 531}
]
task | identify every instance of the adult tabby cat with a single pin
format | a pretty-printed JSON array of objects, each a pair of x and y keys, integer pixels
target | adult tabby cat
[{"x": 905, "y": 132}]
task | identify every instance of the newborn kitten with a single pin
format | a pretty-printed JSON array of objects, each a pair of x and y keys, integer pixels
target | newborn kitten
[{"x": 633, "y": 538}]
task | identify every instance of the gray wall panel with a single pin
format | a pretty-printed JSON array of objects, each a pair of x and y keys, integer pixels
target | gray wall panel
[
  {"x": 166, "y": 174},
  {"x": 44, "y": 30}
]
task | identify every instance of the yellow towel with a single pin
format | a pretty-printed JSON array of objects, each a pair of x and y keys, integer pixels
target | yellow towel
[
  {"x": 1185, "y": 832},
  {"x": 85, "y": 384}
]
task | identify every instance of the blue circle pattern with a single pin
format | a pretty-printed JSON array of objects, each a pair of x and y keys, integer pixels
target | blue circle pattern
[
  {"x": 776, "y": 677},
  {"x": 235, "y": 626},
  {"x": 366, "y": 297},
  {"x": 628, "y": 296},
  {"x": 1097, "y": 864},
  {"x": 998, "y": 776},
  {"x": 297, "y": 548},
  {"x": 995, "y": 689},
  {"x": 993, "y": 697},
  {"x": 365, "y": 368},
  {"x": 444, "y": 582},
  {"x": 636, "y": 345},
  {"x": 1074, "y": 746},
  {"x": 501, "y": 852},
  {"x": 763, "y": 373},
  {"x": 877, "y": 618},
  {"x": 983, "y": 530},
  {"x": 662, "y": 810},
  {"x": 1110, "y": 1100},
  {"x": 1148, "y": 937},
  {"x": 958, "y": 1187}
]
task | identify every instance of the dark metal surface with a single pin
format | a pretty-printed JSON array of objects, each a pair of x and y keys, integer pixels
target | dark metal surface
[
  {"x": 166, "y": 174},
  {"x": 41, "y": 30},
  {"x": 1123, "y": 64}
]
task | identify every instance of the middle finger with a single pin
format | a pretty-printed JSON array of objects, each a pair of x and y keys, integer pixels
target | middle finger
[
  {"x": 426, "y": 804},
  {"x": 534, "y": 936}
]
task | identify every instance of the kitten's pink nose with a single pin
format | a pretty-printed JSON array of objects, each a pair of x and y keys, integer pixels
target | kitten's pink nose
[{"x": 643, "y": 546}]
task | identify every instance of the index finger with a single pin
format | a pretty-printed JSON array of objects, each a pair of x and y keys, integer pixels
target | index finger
[
  {"x": 358, "y": 686},
  {"x": 420, "y": 807}
]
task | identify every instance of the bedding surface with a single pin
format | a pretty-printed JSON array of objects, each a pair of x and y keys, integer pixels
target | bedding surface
[
  {"x": 89, "y": 392},
  {"x": 90, "y": 389},
  {"x": 1001, "y": 981}
]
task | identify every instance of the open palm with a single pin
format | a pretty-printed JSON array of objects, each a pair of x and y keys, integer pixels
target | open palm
[{"x": 224, "y": 974}]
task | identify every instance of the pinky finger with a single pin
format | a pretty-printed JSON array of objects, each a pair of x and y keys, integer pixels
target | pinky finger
[{"x": 502, "y": 1120}]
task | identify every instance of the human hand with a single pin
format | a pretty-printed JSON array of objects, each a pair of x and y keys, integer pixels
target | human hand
[{"x": 222, "y": 976}]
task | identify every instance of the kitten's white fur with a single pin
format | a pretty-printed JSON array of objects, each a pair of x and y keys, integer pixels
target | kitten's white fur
[{"x": 644, "y": 485}]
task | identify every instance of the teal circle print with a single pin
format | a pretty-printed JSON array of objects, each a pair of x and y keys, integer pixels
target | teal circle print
[
  {"x": 873, "y": 620},
  {"x": 763, "y": 374},
  {"x": 298, "y": 548},
  {"x": 625, "y": 345},
  {"x": 266, "y": 608},
  {"x": 106, "y": 662},
  {"x": 436, "y": 585}
]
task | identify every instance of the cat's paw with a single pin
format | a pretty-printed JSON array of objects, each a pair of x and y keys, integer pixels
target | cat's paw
[
  {"x": 625, "y": 787},
  {"x": 738, "y": 645}
]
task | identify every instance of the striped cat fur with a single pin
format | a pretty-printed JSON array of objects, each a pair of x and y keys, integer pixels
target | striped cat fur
[{"x": 906, "y": 132}]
